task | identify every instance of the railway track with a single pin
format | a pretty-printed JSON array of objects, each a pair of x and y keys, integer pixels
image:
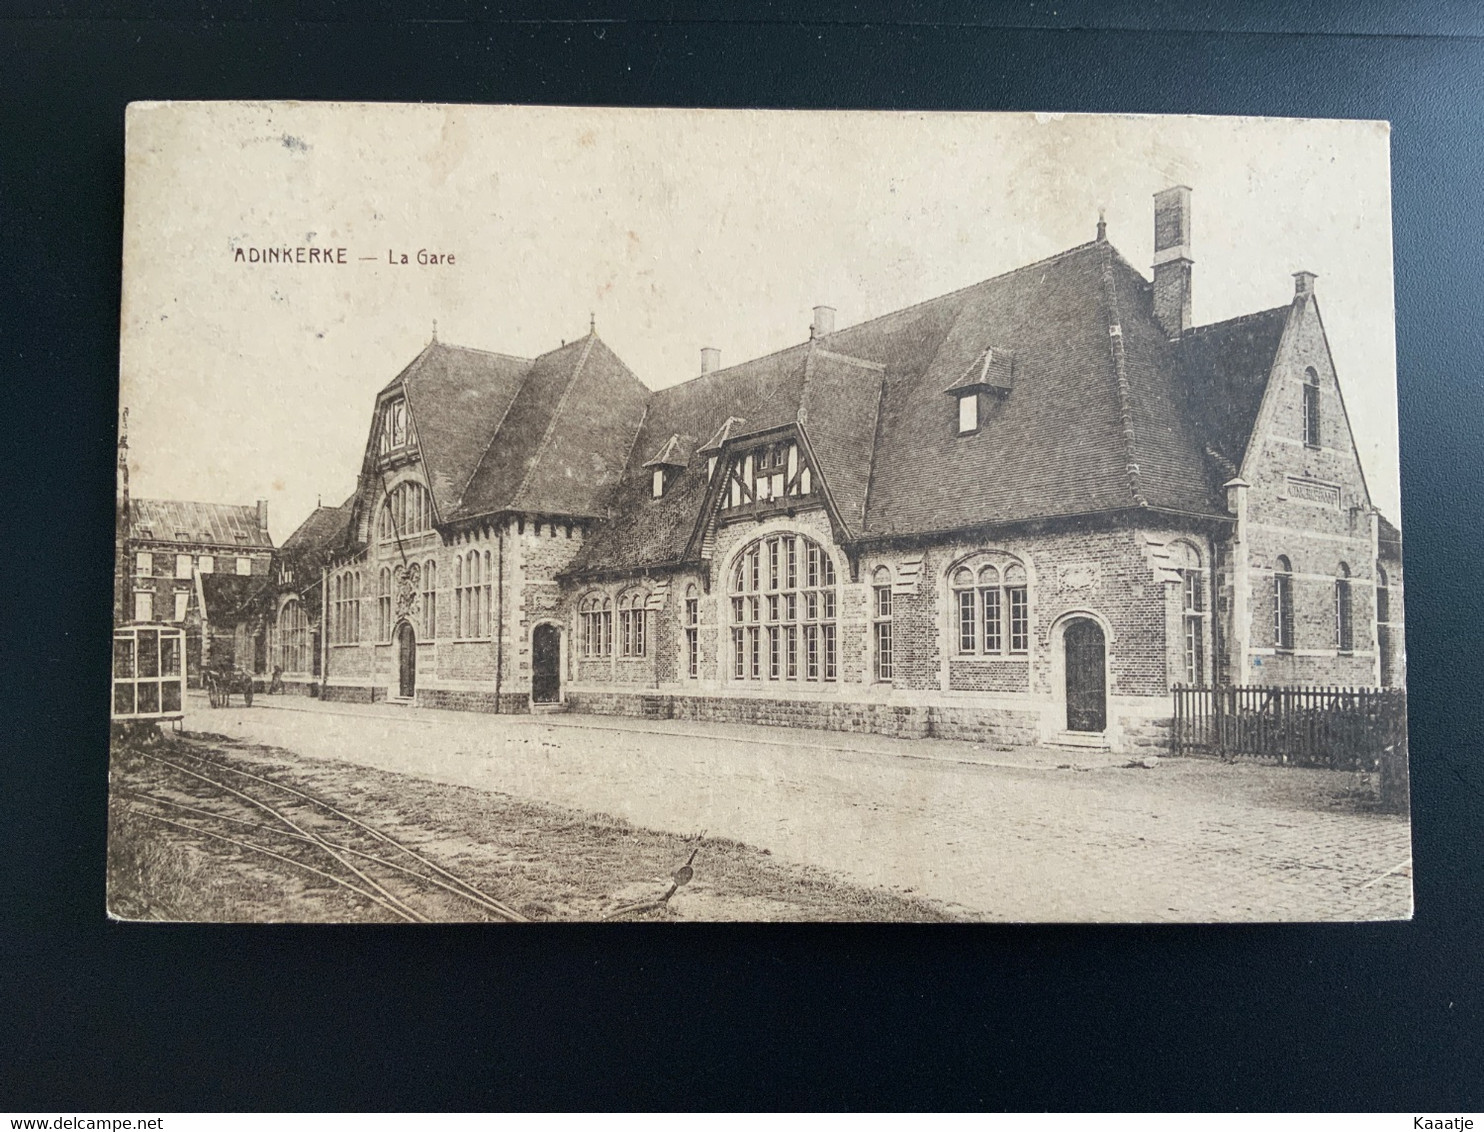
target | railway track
[{"x": 272, "y": 820}]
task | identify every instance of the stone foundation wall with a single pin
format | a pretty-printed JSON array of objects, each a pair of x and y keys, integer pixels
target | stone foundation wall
[
  {"x": 997, "y": 726},
  {"x": 509, "y": 703}
]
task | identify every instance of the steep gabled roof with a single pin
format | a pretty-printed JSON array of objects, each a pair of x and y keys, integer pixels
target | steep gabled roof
[
  {"x": 1226, "y": 366},
  {"x": 457, "y": 397},
  {"x": 321, "y": 533},
  {"x": 171, "y": 520}
]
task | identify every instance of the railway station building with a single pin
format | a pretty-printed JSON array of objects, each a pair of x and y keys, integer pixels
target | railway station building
[{"x": 1020, "y": 512}]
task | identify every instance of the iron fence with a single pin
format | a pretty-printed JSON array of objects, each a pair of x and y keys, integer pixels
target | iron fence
[{"x": 1342, "y": 728}]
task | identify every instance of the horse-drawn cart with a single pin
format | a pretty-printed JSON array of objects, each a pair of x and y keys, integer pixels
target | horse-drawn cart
[{"x": 222, "y": 681}]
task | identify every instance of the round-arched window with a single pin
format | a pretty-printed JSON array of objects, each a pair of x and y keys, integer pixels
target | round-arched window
[
  {"x": 294, "y": 652},
  {"x": 991, "y": 607},
  {"x": 595, "y": 617},
  {"x": 783, "y": 596}
]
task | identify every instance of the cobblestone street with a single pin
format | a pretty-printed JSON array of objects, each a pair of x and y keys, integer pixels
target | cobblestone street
[{"x": 1021, "y": 835}]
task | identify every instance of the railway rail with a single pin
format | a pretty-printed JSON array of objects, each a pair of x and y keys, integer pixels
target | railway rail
[{"x": 214, "y": 799}]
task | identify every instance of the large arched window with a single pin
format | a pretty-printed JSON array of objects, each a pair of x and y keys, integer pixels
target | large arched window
[
  {"x": 408, "y": 511},
  {"x": 1344, "y": 611},
  {"x": 293, "y": 639},
  {"x": 346, "y": 615},
  {"x": 783, "y": 595},
  {"x": 1283, "y": 604},
  {"x": 596, "y": 614},
  {"x": 1192, "y": 609},
  {"x": 991, "y": 608}
]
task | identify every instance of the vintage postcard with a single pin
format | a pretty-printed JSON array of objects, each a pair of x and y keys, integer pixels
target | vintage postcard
[{"x": 550, "y": 514}]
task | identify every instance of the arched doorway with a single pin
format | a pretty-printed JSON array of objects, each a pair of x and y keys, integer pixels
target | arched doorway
[
  {"x": 546, "y": 665},
  {"x": 406, "y": 661},
  {"x": 1086, "y": 675}
]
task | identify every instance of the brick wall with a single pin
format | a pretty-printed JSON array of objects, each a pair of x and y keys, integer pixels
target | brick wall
[{"x": 1318, "y": 523}]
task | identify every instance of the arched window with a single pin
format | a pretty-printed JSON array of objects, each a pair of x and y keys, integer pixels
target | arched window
[
  {"x": 596, "y": 613},
  {"x": 1311, "y": 407},
  {"x": 991, "y": 608},
  {"x": 408, "y": 511},
  {"x": 1192, "y": 609},
  {"x": 430, "y": 600},
  {"x": 1283, "y": 604},
  {"x": 1344, "y": 611},
  {"x": 1383, "y": 595},
  {"x": 881, "y": 622},
  {"x": 783, "y": 597},
  {"x": 692, "y": 633},
  {"x": 632, "y": 619},
  {"x": 384, "y": 604},
  {"x": 293, "y": 639}
]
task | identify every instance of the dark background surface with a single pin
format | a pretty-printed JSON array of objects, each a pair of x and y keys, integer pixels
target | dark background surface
[{"x": 100, "y": 1016}]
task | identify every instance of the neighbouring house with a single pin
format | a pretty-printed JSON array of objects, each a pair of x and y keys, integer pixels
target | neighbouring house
[
  {"x": 1020, "y": 512},
  {"x": 169, "y": 547}
]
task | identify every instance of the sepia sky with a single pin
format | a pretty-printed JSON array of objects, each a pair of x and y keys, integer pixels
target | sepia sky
[{"x": 674, "y": 230}]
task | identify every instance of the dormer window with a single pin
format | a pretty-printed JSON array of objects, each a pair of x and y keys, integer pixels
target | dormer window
[
  {"x": 968, "y": 413},
  {"x": 990, "y": 375},
  {"x": 667, "y": 463}
]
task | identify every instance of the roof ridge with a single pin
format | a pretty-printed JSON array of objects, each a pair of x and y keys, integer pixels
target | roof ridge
[
  {"x": 556, "y": 414},
  {"x": 1235, "y": 319},
  {"x": 481, "y": 350},
  {"x": 1120, "y": 371},
  {"x": 887, "y": 314}
]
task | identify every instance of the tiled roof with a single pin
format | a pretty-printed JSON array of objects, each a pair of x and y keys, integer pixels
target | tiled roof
[
  {"x": 1088, "y": 407},
  {"x": 321, "y": 532},
  {"x": 458, "y": 398},
  {"x": 561, "y": 446},
  {"x": 1098, "y": 418},
  {"x": 218, "y": 524},
  {"x": 1226, "y": 367}
]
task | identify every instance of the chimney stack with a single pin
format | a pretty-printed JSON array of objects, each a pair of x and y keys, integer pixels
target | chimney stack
[
  {"x": 1172, "y": 261},
  {"x": 824, "y": 322},
  {"x": 710, "y": 359},
  {"x": 262, "y": 514},
  {"x": 1303, "y": 283}
]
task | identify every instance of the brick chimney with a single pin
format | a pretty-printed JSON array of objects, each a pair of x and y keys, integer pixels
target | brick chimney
[
  {"x": 1303, "y": 283},
  {"x": 262, "y": 514},
  {"x": 824, "y": 322},
  {"x": 1172, "y": 261},
  {"x": 710, "y": 359}
]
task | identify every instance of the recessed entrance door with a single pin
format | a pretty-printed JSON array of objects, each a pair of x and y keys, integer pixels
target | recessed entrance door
[
  {"x": 406, "y": 661},
  {"x": 1087, "y": 684},
  {"x": 546, "y": 664}
]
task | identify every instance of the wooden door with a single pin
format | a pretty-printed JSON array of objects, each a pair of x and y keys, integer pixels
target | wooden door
[
  {"x": 1087, "y": 683},
  {"x": 406, "y": 661},
  {"x": 546, "y": 664}
]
